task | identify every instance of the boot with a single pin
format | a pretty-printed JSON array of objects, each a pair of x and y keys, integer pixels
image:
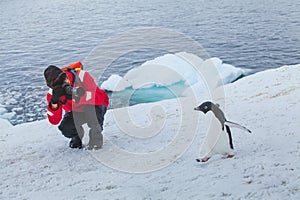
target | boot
[
  {"x": 75, "y": 142},
  {"x": 96, "y": 141}
]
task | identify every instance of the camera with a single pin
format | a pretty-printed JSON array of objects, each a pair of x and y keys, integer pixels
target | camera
[{"x": 76, "y": 93}]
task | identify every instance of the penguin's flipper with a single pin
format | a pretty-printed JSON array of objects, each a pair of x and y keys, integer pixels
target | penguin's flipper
[{"x": 233, "y": 124}]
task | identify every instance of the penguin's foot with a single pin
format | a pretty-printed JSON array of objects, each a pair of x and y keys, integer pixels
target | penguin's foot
[
  {"x": 229, "y": 156},
  {"x": 205, "y": 159}
]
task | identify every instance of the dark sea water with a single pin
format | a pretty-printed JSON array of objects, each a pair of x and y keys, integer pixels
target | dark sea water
[{"x": 251, "y": 34}]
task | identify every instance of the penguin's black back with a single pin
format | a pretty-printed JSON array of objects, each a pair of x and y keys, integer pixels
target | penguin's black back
[{"x": 219, "y": 114}]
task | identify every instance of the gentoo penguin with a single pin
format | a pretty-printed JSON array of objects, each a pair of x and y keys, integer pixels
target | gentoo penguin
[{"x": 218, "y": 139}]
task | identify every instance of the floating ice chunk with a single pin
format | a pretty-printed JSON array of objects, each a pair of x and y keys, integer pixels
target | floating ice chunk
[
  {"x": 5, "y": 115},
  {"x": 2, "y": 110},
  {"x": 8, "y": 115},
  {"x": 4, "y": 123},
  {"x": 115, "y": 83},
  {"x": 12, "y": 101},
  {"x": 18, "y": 110}
]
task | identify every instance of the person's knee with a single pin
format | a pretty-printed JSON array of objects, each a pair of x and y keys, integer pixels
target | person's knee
[
  {"x": 67, "y": 131},
  {"x": 67, "y": 126}
]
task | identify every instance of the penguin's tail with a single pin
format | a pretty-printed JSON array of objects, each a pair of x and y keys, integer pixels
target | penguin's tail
[{"x": 233, "y": 124}]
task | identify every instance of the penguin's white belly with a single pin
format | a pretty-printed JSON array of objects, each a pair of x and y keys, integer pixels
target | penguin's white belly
[{"x": 216, "y": 140}]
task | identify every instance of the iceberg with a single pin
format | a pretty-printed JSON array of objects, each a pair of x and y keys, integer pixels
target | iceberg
[
  {"x": 170, "y": 69},
  {"x": 170, "y": 76}
]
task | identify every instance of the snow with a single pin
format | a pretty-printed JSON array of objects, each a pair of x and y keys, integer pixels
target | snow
[
  {"x": 36, "y": 163},
  {"x": 170, "y": 69}
]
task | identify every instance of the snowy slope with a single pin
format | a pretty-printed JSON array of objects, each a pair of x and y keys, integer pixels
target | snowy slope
[{"x": 36, "y": 163}]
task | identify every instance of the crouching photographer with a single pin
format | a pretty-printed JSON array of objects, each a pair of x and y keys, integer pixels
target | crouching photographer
[{"x": 74, "y": 90}]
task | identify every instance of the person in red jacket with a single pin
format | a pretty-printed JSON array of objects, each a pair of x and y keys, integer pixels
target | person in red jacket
[{"x": 75, "y": 91}]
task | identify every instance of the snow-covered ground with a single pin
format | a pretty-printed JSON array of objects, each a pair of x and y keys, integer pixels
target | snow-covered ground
[{"x": 36, "y": 163}]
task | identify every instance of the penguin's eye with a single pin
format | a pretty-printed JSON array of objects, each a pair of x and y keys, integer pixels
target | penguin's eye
[{"x": 205, "y": 107}]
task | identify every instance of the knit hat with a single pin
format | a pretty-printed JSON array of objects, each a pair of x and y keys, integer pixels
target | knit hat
[{"x": 54, "y": 76}]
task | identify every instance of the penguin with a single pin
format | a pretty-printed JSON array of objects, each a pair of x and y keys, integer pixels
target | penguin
[{"x": 218, "y": 139}]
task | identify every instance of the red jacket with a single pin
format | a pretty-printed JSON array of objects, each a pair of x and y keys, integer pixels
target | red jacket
[{"x": 93, "y": 96}]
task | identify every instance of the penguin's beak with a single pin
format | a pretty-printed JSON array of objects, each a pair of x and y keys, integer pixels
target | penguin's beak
[{"x": 197, "y": 108}]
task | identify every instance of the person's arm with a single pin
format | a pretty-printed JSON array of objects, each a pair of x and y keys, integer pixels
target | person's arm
[
  {"x": 90, "y": 87},
  {"x": 92, "y": 92},
  {"x": 54, "y": 110}
]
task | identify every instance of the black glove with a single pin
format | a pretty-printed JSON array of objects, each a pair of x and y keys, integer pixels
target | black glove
[
  {"x": 68, "y": 88},
  {"x": 57, "y": 92}
]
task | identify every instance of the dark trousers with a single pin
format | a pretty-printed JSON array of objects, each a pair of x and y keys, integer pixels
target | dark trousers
[{"x": 72, "y": 122}]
